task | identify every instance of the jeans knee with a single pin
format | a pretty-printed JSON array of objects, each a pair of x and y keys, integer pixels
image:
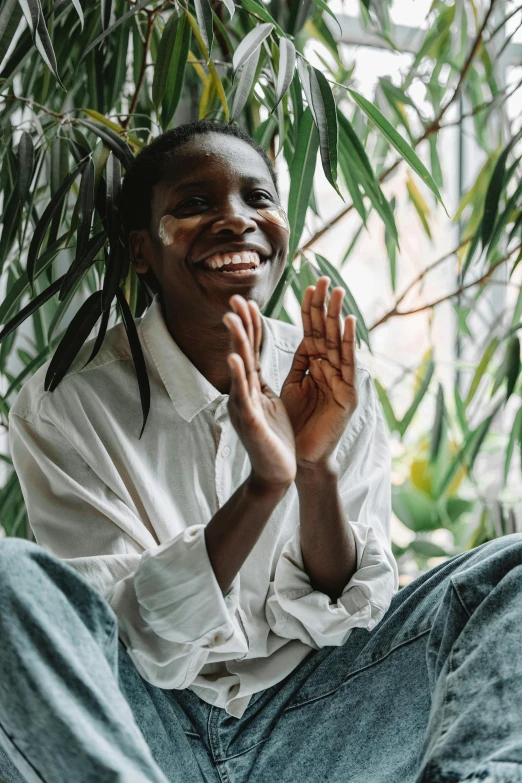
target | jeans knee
[{"x": 15, "y": 553}]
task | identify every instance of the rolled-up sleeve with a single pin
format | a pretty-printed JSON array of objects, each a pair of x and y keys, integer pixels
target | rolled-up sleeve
[
  {"x": 294, "y": 610},
  {"x": 170, "y": 609}
]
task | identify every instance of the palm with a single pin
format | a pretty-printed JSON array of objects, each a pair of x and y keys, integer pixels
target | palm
[{"x": 320, "y": 392}]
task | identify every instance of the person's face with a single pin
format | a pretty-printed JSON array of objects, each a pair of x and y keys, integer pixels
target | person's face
[{"x": 216, "y": 200}]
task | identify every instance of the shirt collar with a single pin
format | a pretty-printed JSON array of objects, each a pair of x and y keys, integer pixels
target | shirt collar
[{"x": 188, "y": 389}]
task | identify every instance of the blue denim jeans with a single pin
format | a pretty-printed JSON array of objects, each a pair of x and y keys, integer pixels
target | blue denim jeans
[{"x": 432, "y": 695}]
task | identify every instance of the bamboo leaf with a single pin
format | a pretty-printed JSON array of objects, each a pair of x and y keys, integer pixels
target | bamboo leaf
[
  {"x": 105, "y": 8},
  {"x": 163, "y": 60},
  {"x": 85, "y": 208},
  {"x": 137, "y": 356},
  {"x": 79, "y": 11},
  {"x": 205, "y": 23},
  {"x": 99, "y": 337},
  {"x": 250, "y": 44},
  {"x": 45, "y": 47},
  {"x": 481, "y": 369},
  {"x": 10, "y": 16},
  {"x": 512, "y": 364},
  {"x": 286, "y": 67},
  {"x": 230, "y": 6},
  {"x": 75, "y": 335},
  {"x": 514, "y": 434},
  {"x": 111, "y": 139},
  {"x": 81, "y": 264},
  {"x": 349, "y": 304},
  {"x": 134, "y": 10},
  {"x": 32, "y": 11},
  {"x": 326, "y": 121},
  {"x": 389, "y": 415},
  {"x": 25, "y": 159},
  {"x": 176, "y": 71},
  {"x": 95, "y": 115},
  {"x": 396, "y": 141},
  {"x": 302, "y": 171},
  {"x": 304, "y": 78},
  {"x": 324, "y": 7},
  {"x": 30, "y": 308},
  {"x": 211, "y": 67},
  {"x": 39, "y": 231},
  {"x": 246, "y": 80},
  {"x": 419, "y": 396},
  {"x": 259, "y": 9},
  {"x": 273, "y": 307},
  {"x": 436, "y": 432}
]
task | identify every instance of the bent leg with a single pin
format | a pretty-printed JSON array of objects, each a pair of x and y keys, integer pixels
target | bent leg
[{"x": 62, "y": 715}]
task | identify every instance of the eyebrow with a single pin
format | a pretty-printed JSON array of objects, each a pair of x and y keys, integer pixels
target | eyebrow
[{"x": 187, "y": 184}]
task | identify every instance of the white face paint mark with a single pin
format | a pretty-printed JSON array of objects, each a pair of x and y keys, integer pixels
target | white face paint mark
[
  {"x": 169, "y": 226},
  {"x": 276, "y": 215}
]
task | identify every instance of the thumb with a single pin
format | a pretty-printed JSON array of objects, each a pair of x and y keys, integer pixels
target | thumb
[{"x": 300, "y": 364}]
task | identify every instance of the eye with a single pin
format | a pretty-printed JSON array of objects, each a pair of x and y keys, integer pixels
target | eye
[
  {"x": 260, "y": 195},
  {"x": 190, "y": 203}
]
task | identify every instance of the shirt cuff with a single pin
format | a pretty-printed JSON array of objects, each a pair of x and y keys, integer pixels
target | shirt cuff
[
  {"x": 296, "y": 611},
  {"x": 180, "y": 599}
]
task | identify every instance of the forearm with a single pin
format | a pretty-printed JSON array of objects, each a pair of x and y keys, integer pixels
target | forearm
[
  {"x": 234, "y": 529},
  {"x": 327, "y": 541}
]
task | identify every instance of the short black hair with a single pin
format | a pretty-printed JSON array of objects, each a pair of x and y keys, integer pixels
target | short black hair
[{"x": 146, "y": 169}]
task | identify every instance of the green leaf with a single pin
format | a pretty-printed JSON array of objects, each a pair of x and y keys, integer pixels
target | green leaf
[
  {"x": 386, "y": 405},
  {"x": 349, "y": 304},
  {"x": 105, "y": 8},
  {"x": 427, "y": 549},
  {"x": 134, "y": 10},
  {"x": 512, "y": 364},
  {"x": 436, "y": 432},
  {"x": 205, "y": 22},
  {"x": 496, "y": 184},
  {"x": 286, "y": 67},
  {"x": 514, "y": 434},
  {"x": 99, "y": 337},
  {"x": 10, "y": 15},
  {"x": 231, "y": 8},
  {"x": 302, "y": 171},
  {"x": 163, "y": 60},
  {"x": 419, "y": 396},
  {"x": 324, "y": 7},
  {"x": 30, "y": 308},
  {"x": 25, "y": 159},
  {"x": 75, "y": 335},
  {"x": 250, "y": 44},
  {"x": 176, "y": 71},
  {"x": 245, "y": 83},
  {"x": 326, "y": 120},
  {"x": 111, "y": 139},
  {"x": 260, "y": 10},
  {"x": 414, "y": 508},
  {"x": 79, "y": 11},
  {"x": 481, "y": 369},
  {"x": 137, "y": 356},
  {"x": 304, "y": 78},
  {"x": 39, "y": 232},
  {"x": 396, "y": 141},
  {"x": 45, "y": 47},
  {"x": 85, "y": 208},
  {"x": 273, "y": 307},
  {"x": 81, "y": 264}
]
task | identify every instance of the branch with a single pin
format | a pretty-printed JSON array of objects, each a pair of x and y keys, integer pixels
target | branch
[
  {"x": 479, "y": 281},
  {"x": 30, "y": 102}
]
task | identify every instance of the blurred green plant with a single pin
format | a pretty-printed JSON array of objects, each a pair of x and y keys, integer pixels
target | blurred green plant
[{"x": 84, "y": 86}]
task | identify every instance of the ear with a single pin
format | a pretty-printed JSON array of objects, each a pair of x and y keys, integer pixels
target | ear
[{"x": 136, "y": 251}]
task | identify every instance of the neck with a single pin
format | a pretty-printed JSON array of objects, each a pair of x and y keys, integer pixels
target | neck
[{"x": 205, "y": 343}]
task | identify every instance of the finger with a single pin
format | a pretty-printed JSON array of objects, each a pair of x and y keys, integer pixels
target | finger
[
  {"x": 240, "y": 306},
  {"x": 349, "y": 366},
  {"x": 300, "y": 364},
  {"x": 239, "y": 390},
  {"x": 306, "y": 314},
  {"x": 334, "y": 328},
  {"x": 318, "y": 315},
  {"x": 257, "y": 323},
  {"x": 243, "y": 347}
]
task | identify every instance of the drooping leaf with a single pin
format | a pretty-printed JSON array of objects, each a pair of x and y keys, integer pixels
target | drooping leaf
[
  {"x": 137, "y": 356},
  {"x": 514, "y": 434},
  {"x": 75, "y": 335},
  {"x": 163, "y": 60},
  {"x": 32, "y": 10},
  {"x": 286, "y": 67},
  {"x": 25, "y": 159},
  {"x": 95, "y": 115},
  {"x": 120, "y": 20},
  {"x": 302, "y": 172},
  {"x": 205, "y": 23},
  {"x": 326, "y": 120},
  {"x": 111, "y": 139},
  {"x": 324, "y": 7},
  {"x": 230, "y": 5},
  {"x": 396, "y": 141},
  {"x": 85, "y": 208},
  {"x": 30, "y": 308},
  {"x": 250, "y": 44},
  {"x": 245, "y": 83},
  {"x": 481, "y": 369},
  {"x": 419, "y": 396},
  {"x": 211, "y": 67},
  {"x": 260, "y": 9},
  {"x": 99, "y": 337},
  {"x": 54, "y": 204},
  {"x": 436, "y": 432},
  {"x": 10, "y": 16},
  {"x": 273, "y": 307},
  {"x": 81, "y": 264},
  {"x": 79, "y": 11},
  {"x": 304, "y": 78},
  {"x": 105, "y": 8},
  {"x": 44, "y": 45},
  {"x": 176, "y": 71}
]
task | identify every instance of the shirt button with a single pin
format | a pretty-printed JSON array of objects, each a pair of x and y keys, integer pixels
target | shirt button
[
  {"x": 226, "y": 451},
  {"x": 218, "y": 639}
]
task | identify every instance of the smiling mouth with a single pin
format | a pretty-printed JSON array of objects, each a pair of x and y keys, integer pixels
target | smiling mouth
[{"x": 247, "y": 263}]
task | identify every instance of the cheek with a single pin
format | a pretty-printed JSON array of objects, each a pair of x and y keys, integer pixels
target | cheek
[
  {"x": 275, "y": 215},
  {"x": 171, "y": 228}
]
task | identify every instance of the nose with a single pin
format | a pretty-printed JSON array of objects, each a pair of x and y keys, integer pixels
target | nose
[{"x": 233, "y": 220}]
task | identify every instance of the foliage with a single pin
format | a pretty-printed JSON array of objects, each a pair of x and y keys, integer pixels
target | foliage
[{"x": 84, "y": 86}]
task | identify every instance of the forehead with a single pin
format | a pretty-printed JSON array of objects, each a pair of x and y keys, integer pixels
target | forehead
[{"x": 214, "y": 155}]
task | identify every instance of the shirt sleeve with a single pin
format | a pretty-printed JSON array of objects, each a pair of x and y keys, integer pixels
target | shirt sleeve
[
  {"x": 294, "y": 610},
  {"x": 171, "y": 611}
]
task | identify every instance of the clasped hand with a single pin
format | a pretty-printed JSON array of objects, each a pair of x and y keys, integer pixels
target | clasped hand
[{"x": 301, "y": 428}]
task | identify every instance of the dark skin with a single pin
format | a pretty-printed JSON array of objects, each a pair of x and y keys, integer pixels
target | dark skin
[{"x": 213, "y": 190}]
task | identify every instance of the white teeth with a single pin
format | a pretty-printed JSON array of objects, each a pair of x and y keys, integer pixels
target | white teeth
[
  {"x": 245, "y": 257},
  {"x": 236, "y": 259}
]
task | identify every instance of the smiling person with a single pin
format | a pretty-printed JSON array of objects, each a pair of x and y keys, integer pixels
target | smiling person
[{"x": 211, "y": 601}]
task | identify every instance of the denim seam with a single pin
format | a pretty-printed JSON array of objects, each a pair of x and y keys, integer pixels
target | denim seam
[
  {"x": 37, "y": 778},
  {"x": 461, "y": 600},
  {"x": 357, "y": 671},
  {"x": 242, "y": 753}
]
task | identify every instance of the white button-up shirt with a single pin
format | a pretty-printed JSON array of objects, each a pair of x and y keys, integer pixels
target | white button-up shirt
[{"x": 129, "y": 514}]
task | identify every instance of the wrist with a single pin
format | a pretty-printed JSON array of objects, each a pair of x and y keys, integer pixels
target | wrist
[
  {"x": 317, "y": 472},
  {"x": 261, "y": 488}
]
